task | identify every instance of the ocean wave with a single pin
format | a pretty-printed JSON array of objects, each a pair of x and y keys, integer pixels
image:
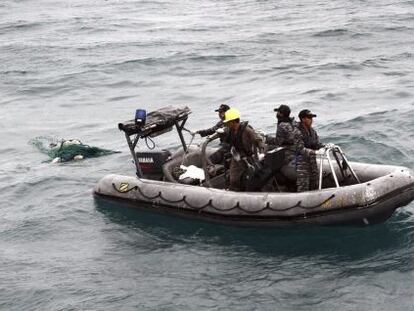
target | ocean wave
[
  {"x": 332, "y": 33},
  {"x": 365, "y": 142},
  {"x": 20, "y": 25},
  {"x": 16, "y": 72},
  {"x": 332, "y": 66},
  {"x": 398, "y": 28}
]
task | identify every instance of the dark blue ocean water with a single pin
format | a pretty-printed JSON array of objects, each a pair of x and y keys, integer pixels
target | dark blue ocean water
[{"x": 74, "y": 69}]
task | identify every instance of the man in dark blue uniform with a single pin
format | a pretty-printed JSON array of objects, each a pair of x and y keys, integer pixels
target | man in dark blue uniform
[
  {"x": 307, "y": 170},
  {"x": 310, "y": 137},
  {"x": 286, "y": 133},
  {"x": 298, "y": 155}
]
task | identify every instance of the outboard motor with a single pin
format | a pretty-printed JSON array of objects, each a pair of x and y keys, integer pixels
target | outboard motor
[{"x": 151, "y": 163}]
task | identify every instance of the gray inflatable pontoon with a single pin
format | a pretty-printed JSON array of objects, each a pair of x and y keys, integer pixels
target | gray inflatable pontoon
[{"x": 350, "y": 193}]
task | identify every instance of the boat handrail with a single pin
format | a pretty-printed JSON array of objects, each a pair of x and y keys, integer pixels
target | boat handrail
[
  {"x": 204, "y": 159},
  {"x": 336, "y": 151}
]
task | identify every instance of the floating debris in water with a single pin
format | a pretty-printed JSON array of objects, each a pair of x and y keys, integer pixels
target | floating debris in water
[{"x": 64, "y": 150}]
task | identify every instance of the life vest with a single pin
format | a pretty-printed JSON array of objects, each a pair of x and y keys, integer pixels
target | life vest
[{"x": 236, "y": 140}]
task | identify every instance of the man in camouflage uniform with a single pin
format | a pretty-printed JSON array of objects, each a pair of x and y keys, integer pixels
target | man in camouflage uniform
[
  {"x": 246, "y": 144},
  {"x": 289, "y": 136},
  {"x": 307, "y": 170},
  {"x": 285, "y": 134}
]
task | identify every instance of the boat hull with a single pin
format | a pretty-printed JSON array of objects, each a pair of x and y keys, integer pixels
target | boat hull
[{"x": 366, "y": 203}]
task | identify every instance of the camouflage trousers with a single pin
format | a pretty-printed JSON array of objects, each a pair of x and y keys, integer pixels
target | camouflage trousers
[{"x": 307, "y": 173}]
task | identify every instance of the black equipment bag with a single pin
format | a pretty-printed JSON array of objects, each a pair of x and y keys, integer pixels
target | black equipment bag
[{"x": 259, "y": 174}]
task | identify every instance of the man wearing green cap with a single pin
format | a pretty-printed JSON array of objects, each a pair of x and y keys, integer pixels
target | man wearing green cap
[
  {"x": 220, "y": 155},
  {"x": 221, "y": 111}
]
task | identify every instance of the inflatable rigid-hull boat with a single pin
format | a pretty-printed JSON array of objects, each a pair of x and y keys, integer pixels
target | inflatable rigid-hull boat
[
  {"x": 349, "y": 193},
  {"x": 386, "y": 188}
]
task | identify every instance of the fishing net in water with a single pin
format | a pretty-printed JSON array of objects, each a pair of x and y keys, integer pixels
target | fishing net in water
[{"x": 67, "y": 149}]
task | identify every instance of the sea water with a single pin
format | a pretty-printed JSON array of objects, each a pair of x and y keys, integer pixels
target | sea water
[{"x": 75, "y": 69}]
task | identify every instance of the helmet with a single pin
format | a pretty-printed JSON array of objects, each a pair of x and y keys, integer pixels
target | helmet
[{"x": 231, "y": 114}]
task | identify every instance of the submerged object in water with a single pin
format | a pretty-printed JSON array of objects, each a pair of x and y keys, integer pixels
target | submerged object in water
[
  {"x": 349, "y": 193},
  {"x": 64, "y": 150}
]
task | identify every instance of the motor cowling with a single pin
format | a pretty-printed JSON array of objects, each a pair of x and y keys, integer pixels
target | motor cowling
[{"x": 151, "y": 163}]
